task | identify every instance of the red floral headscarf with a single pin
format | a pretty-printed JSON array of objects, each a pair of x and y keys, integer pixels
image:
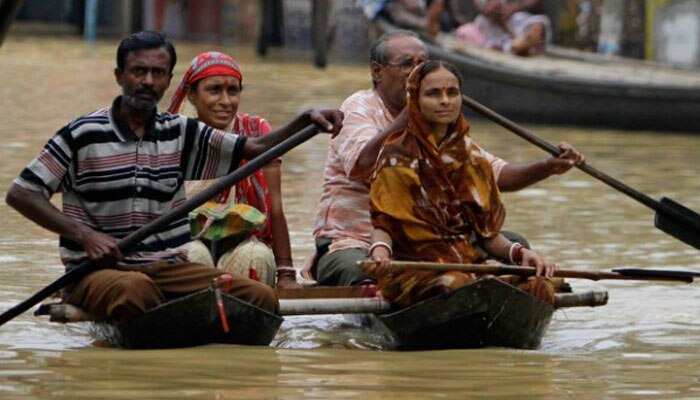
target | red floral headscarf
[
  {"x": 204, "y": 65},
  {"x": 253, "y": 189}
]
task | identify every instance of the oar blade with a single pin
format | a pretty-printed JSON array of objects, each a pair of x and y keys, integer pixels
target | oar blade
[
  {"x": 685, "y": 276},
  {"x": 678, "y": 221}
]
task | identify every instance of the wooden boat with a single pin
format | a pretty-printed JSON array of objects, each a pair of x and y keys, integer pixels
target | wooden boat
[
  {"x": 568, "y": 87},
  {"x": 194, "y": 320},
  {"x": 488, "y": 312},
  {"x": 485, "y": 313},
  {"x": 191, "y": 320}
]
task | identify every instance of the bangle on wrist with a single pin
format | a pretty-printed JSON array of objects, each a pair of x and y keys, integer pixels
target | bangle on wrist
[
  {"x": 379, "y": 243},
  {"x": 286, "y": 271},
  {"x": 515, "y": 253}
]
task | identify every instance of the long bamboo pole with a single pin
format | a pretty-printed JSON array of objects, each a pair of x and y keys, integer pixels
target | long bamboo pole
[
  {"x": 625, "y": 274},
  {"x": 366, "y": 305}
]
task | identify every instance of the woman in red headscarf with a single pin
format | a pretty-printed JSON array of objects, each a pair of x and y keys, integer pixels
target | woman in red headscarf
[
  {"x": 213, "y": 85},
  {"x": 434, "y": 196}
]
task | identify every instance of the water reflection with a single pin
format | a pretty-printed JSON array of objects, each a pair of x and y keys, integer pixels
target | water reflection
[
  {"x": 225, "y": 372},
  {"x": 644, "y": 343}
]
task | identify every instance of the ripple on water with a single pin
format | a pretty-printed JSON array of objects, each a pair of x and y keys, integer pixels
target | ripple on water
[
  {"x": 577, "y": 184},
  {"x": 532, "y": 192},
  {"x": 27, "y": 332},
  {"x": 327, "y": 331}
]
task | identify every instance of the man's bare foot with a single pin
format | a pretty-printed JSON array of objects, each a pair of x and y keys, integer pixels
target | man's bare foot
[{"x": 433, "y": 17}]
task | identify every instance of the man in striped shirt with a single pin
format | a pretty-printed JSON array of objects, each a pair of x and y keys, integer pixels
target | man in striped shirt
[{"x": 122, "y": 167}]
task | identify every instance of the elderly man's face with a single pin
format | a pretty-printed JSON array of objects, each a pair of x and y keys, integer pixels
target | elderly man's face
[{"x": 405, "y": 52}]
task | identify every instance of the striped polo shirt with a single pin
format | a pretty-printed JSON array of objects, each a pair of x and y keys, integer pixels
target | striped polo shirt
[{"x": 115, "y": 183}]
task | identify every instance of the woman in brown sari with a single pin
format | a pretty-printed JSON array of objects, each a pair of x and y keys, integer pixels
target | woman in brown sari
[{"x": 434, "y": 196}]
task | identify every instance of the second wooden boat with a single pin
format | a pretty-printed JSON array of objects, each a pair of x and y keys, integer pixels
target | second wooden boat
[
  {"x": 488, "y": 312},
  {"x": 584, "y": 90}
]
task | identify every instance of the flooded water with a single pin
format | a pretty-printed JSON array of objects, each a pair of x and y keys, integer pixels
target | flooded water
[{"x": 644, "y": 343}]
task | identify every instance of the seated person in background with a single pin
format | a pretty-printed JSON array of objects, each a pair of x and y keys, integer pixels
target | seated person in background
[
  {"x": 509, "y": 26},
  {"x": 417, "y": 15},
  {"x": 434, "y": 197},
  {"x": 212, "y": 85}
]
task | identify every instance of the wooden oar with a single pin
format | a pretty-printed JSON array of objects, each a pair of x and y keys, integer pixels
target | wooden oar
[
  {"x": 163, "y": 221},
  {"x": 501, "y": 269},
  {"x": 671, "y": 217}
]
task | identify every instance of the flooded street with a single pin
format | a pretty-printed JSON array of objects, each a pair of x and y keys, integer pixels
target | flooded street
[{"x": 644, "y": 343}]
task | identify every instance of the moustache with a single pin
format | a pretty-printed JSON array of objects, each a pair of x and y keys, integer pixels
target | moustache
[{"x": 147, "y": 92}]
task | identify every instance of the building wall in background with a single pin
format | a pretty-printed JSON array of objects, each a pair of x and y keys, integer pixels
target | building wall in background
[
  {"x": 659, "y": 30},
  {"x": 347, "y": 32},
  {"x": 185, "y": 19},
  {"x": 673, "y": 31}
]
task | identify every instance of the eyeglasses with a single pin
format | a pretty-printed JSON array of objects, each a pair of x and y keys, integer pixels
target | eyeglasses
[{"x": 406, "y": 65}]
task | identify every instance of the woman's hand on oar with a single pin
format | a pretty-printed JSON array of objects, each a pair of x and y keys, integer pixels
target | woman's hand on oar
[
  {"x": 381, "y": 256},
  {"x": 543, "y": 266},
  {"x": 380, "y": 250},
  {"x": 567, "y": 159}
]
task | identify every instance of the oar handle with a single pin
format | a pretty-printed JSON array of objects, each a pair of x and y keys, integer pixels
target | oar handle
[
  {"x": 161, "y": 222},
  {"x": 501, "y": 269},
  {"x": 555, "y": 151}
]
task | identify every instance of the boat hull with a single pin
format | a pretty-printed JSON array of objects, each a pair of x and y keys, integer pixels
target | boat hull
[
  {"x": 488, "y": 312},
  {"x": 556, "y": 100},
  {"x": 194, "y": 320}
]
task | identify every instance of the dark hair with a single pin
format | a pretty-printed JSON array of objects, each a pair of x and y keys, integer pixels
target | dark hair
[
  {"x": 144, "y": 40},
  {"x": 433, "y": 65},
  {"x": 378, "y": 52}
]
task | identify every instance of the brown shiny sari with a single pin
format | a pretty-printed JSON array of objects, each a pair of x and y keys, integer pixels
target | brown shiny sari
[
  {"x": 433, "y": 198},
  {"x": 436, "y": 200}
]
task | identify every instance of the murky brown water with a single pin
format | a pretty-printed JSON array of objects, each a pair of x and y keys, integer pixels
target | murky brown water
[{"x": 645, "y": 343}]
